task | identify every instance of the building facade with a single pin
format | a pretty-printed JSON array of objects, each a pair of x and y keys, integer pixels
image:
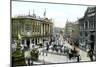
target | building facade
[
  {"x": 88, "y": 29},
  {"x": 68, "y": 29},
  {"x": 71, "y": 29},
  {"x": 31, "y": 29}
]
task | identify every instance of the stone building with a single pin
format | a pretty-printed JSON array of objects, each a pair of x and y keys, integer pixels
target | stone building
[
  {"x": 88, "y": 29},
  {"x": 71, "y": 29},
  {"x": 71, "y": 33},
  {"x": 68, "y": 29},
  {"x": 30, "y": 29}
]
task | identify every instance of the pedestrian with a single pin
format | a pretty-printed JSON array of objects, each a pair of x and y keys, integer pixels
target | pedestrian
[
  {"x": 47, "y": 48},
  {"x": 70, "y": 54},
  {"x": 90, "y": 54},
  {"x": 33, "y": 45},
  {"x": 50, "y": 41},
  {"x": 27, "y": 55},
  {"x": 78, "y": 57},
  {"x": 13, "y": 46},
  {"x": 22, "y": 47}
]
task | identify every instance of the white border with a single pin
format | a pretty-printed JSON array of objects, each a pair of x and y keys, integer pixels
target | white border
[{"x": 5, "y": 34}]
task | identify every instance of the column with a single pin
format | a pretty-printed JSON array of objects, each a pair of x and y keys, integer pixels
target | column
[
  {"x": 41, "y": 29},
  {"x": 30, "y": 40},
  {"x": 25, "y": 42},
  {"x": 36, "y": 28},
  {"x": 44, "y": 29},
  {"x": 35, "y": 41},
  {"x": 49, "y": 28},
  {"x": 30, "y": 43},
  {"x": 33, "y": 28},
  {"x": 89, "y": 26}
]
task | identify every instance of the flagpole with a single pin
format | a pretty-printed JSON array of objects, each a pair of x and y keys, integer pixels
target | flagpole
[{"x": 44, "y": 13}]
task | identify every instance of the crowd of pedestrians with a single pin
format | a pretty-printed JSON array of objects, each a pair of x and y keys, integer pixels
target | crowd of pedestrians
[{"x": 54, "y": 45}]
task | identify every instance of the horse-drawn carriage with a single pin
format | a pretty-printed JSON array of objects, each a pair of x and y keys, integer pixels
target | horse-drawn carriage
[{"x": 74, "y": 54}]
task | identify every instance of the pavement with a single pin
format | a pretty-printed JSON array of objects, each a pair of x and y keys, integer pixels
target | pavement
[
  {"x": 54, "y": 57},
  {"x": 83, "y": 55}
]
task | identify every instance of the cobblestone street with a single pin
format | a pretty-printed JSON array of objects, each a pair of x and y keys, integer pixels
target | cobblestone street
[{"x": 54, "y": 57}]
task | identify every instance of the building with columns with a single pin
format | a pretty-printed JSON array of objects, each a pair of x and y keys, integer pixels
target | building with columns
[
  {"x": 88, "y": 29},
  {"x": 31, "y": 29}
]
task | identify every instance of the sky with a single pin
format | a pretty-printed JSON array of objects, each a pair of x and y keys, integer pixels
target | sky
[{"x": 60, "y": 13}]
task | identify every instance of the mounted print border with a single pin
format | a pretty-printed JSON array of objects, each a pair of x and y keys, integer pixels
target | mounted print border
[{"x": 52, "y": 33}]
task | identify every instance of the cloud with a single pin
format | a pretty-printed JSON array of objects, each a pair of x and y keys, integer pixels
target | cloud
[
  {"x": 55, "y": 14},
  {"x": 59, "y": 18}
]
